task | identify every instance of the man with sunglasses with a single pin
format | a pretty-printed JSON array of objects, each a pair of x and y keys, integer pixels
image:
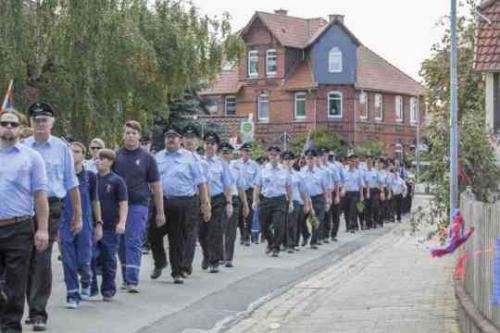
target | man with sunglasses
[
  {"x": 23, "y": 189},
  {"x": 62, "y": 181}
]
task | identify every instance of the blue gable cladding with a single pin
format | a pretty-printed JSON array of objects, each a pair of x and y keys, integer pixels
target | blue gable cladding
[{"x": 335, "y": 36}]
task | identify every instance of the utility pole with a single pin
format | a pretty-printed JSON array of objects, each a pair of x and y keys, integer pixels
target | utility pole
[{"x": 453, "y": 112}]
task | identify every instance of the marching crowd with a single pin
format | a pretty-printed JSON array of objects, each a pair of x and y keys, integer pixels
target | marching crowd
[{"x": 113, "y": 205}]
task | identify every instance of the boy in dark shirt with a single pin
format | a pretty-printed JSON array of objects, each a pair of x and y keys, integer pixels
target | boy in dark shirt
[{"x": 113, "y": 197}]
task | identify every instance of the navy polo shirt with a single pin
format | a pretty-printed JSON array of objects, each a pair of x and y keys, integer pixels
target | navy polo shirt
[
  {"x": 111, "y": 190},
  {"x": 138, "y": 168}
]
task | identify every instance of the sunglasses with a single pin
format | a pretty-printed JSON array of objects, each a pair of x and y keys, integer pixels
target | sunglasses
[
  {"x": 12, "y": 124},
  {"x": 94, "y": 148}
]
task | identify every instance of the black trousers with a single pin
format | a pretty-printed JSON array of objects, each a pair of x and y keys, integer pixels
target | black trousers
[
  {"x": 181, "y": 214},
  {"x": 39, "y": 285},
  {"x": 191, "y": 236},
  {"x": 398, "y": 206},
  {"x": 326, "y": 224},
  {"x": 292, "y": 225},
  {"x": 318, "y": 205},
  {"x": 272, "y": 219},
  {"x": 352, "y": 199},
  {"x": 16, "y": 246},
  {"x": 373, "y": 208},
  {"x": 302, "y": 229},
  {"x": 230, "y": 230},
  {"x": 211, "y": 231},
  {"x": 335, "y": 212},
  {"x": 245, "y": 224},
  {"x": 387, "y": 206}
]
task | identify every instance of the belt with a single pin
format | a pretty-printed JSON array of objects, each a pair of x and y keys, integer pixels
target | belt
[
  {"x": 318, "y": 196},
  {"x": 181, "y": 197},
  {"x": 53, "y": 200},
  {"x": 14, "y": 220}
]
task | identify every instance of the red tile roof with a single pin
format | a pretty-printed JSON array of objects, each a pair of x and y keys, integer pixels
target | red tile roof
[
  {"x": 487, "y": 55},
  {"x": 302, "y": 78},
  {"x": 376, "y": 73},
  {"x": 226, "y": 82}
]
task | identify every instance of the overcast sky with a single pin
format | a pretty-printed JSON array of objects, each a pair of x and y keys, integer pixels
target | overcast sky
[{"x": 402, "y": 31}]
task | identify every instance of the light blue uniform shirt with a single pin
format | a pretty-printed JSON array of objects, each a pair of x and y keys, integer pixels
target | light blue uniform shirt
[
  {"x": 249, "y": 173},
  {"x": 22, "y": 172},
  {"x": 340, "y": 172},
  {"x": 372, "y": 178},
  {"x": 315, "y": 183},
  {"x": 236, "y": 177},
  {"x": 334, "y": 172},
  {"x": 353, "y": 180},
  {"x": 180, "y": 173},
  {"x": 389, "y": 179},
  {"x": 58, "y": 163},
  {"x": 328, "y": 175},
  {"x": 219, "y": 175},
  {"x": 203, "y": 165},
  {"x": 298, "y": 186},
  {"x": 398, "y": 186},
  {"x": 274, "y": 181}
]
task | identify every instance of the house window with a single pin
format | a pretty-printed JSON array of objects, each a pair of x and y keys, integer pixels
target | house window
[
  {"x": 253, "y": 63},
  {"x": 271, "y": 66},
  {"x": 334, "y": 104},
  {"x": 413, "y": 111},
  {"x": 335, "y": 60},
  {"x": 263, "y": 108},
  {"x": 399, "y": 108},
  {"x": 211, "y": 105},
  {"x": 300, "y": 105},
  {"x": 363, "y": 102},
  {"x": 230, "y": 105},
  {"x": 379, "y": 107}
]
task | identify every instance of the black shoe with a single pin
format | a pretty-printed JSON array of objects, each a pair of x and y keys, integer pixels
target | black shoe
[
  {"x": 188, "y": 270},
  {"x": 214, "y": 269},
  {"x": 334, "y": 239},
  {"x": 326, "y": 241},
  {"x": 296, "y": 248},
  {"x": 156, "y": 273},
  {"x": 39, "y": 325},
  {"x": 268, "y": 250},
  {"x": 314, "y": 247},
  {"x": 28, "y": 321},
  {"x": 184, "y": 274},
  {"x": 276, "y": 253},
  {"x": 305, "y": 241},
  {"x": 290, "y": 250},
  {"x": 247, "y": 243},
  {"x": 352, "y": 231},
  {"x": 204, "y": 264},
  {"x": 228, "y": 264},
  {"x": 178, "y": 280}
]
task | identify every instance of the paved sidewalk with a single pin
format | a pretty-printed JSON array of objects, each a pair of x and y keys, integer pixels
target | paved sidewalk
[{"x": 392, "y": 285}]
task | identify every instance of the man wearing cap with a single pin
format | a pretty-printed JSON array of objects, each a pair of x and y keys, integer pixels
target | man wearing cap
[
  {"x": 318, "y": 189},
  {"x": 140, "y": 171},
  {"x": 399, "y": 190},
  {"x": 275, "y": 185},
  {"x": 62, "y": 180},
  {"x": 190, "y": 142},
  {"x": 239, "y": 198},
  {"x": 331, "y": 170},
  {"x": 249, "y": 173},
  {"x": 181, "y": 177},
  {"x": 23, "y": 190},
  {"x": 353, "y": 189},
  {"x": 336, "y": 209},
  {"x": 374, "y": 187},
  {"x": 219, "y": 186}
]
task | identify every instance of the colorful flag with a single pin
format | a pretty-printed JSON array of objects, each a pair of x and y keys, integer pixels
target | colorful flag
[{"x": 8, "y": 102}]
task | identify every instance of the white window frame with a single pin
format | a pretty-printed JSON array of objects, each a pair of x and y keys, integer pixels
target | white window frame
[
  {"x": 253, "y": 55},
  {"x": 379, "y": 98},
  {"x": 335, "y": 60},
  {"x": 212, "y": 105},
  {"x": 413, "y": 111},
  {"x": 399, "y": 108},
  {"x": 225, "y": 105},
  {"x": 328, "y": 104},
  {"x": 269, "y": 54},
  {"x": 259, "y": 117},
  {"x": 363, "y": 101},
  {"x": 300, "y": 96}
]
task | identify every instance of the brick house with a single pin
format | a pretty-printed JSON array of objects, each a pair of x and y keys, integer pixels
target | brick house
[{"x": 301, "y": 74}]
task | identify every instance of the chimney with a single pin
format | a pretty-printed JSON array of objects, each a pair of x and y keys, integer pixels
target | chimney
[
  {"x": 336, "y": 17},
  {"x": 283, "y": 12}
]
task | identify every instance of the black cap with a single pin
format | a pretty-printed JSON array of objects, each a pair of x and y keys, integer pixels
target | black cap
[
  {"x": 311, "y": 153},
  {"x": 190, "y": 129},
  {"x": 40, "y": 109},
  {"x": 323, "y": 150},
  {"x": 274, "y": 149},
  {"x": 287, "y": 155},
  {"x": 145, "y": 139},
  {"x": 226, "y": 147},
  {"x": 211, "y": 137},
  {"x": 173, "y": 130},
  {"x": 246, "y": 146},
  {"x": 353, "y": 157}
]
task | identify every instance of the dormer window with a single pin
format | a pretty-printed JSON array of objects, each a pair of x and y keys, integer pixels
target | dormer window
[
  {"x": 271, "y": 67},
  {"x": 253, "y": 64},
  {"x": 335, "y": 60}
]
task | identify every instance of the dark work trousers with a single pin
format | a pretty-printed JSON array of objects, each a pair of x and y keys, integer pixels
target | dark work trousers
[
  {"x": 352, "y": 199},
  {"x": 362, "y": 215},
  {"x": 335, "y": 212},
  {"x": 211, "y": 231},
  {"x": 16, "y": 246},
  {"x": 272, "y": 219},
  {"x": 230, "y": 230},
  {"x": 398, "y": 200},
  {"x": 302, "y": 229},
  {"x": 318, "y": 205},
  {"x": 292, "y": 226},
  {"x": 39, "y": 285},
  {"x": 345, "y": 210},
  {"x": 181, "y": 215},
  {"x": 407, "y": 200},
  {"x": 326, "y": 224},
  {"x": 386, "y": 206},
  {"x": 373, "y": 209},
  {"x": 245, "y": 224},
  {"x": 191, "y": 237}
]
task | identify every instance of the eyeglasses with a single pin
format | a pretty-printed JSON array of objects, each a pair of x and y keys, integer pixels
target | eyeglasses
[
  {"x": 12, "y": 124},
  {"x": 94, "y": 148}
]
